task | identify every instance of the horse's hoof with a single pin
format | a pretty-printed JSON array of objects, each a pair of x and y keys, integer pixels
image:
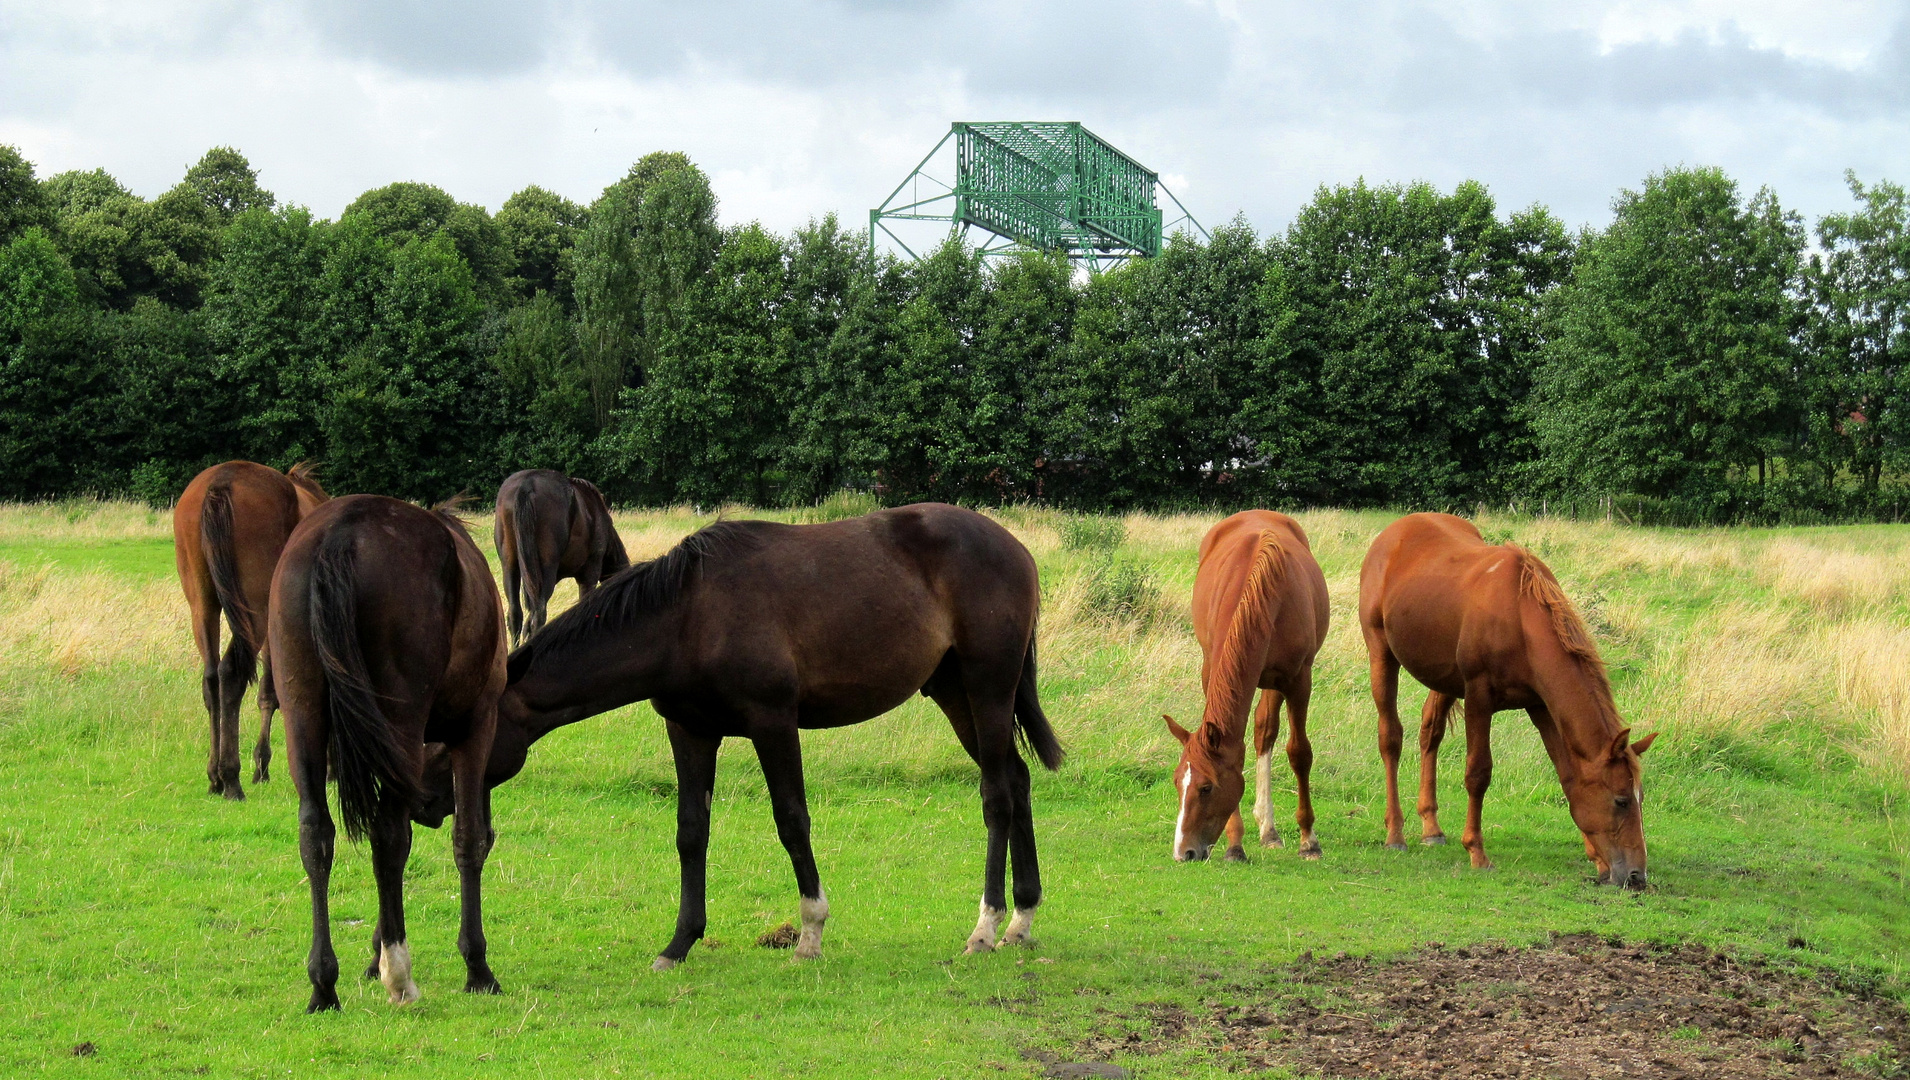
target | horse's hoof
[
  {"x": 807, "y": 952},
  {"x": 372, "y": 972},
  {"x": 663, "y": 963},
  {"x": 322, "y": 1001},
  {"x": 234, "y": 793},
  {"x": 1272, "y": 840},
  {"x": 260, "y": 775},
  {"x": 486, "y": 985},
  {"x": 976, "y": 946},
  {"x": 1236, "y": 854},
  {"x": 403, "y": 995},
  {"x": 1310, "y": 851},
  {"x": 1434, "y": 840},
  {"x": 1396, "y": 846},
  {"x": 215, "y": 787}
]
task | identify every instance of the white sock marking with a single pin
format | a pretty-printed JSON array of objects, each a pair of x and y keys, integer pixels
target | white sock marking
[
  {"x": 983, "y": 939},
  {"x": 1020, "y": 928},
  {"x": 394, "y": 970},
  {"x": 1263, "y": 798},
  {"x": 814, "y": 914}
]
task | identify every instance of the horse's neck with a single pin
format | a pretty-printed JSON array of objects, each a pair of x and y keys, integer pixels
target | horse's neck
[{"x": 1580, "y": 705}]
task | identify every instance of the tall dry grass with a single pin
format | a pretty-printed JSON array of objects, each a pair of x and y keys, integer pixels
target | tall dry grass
[{"x": 1727, "y": 631}]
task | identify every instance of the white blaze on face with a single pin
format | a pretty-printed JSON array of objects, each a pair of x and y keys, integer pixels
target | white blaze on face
[
  {"x": 1180, "y": 823},
  {"x": 394, "y": 970},
  {"x": 814, "y": 914}
]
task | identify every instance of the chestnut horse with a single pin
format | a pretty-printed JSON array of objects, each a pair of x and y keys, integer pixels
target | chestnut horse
[
  {"x": 758, "y": 630},
  {"x": 387, "y": 634},
  {"x": 228, "y": 529},
  {"x": 1260, "y": 613},
  {"x": 550, "y": 527},
  {"x": 1489, "y": 625}
]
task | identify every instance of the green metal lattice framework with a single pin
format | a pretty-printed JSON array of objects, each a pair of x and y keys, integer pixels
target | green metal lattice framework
[{"x": 1036, "y": 187}]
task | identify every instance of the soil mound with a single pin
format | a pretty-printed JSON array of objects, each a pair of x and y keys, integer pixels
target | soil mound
[{"x": 1581, "y": 1007}]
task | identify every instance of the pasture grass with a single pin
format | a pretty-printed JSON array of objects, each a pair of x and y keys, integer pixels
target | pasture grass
[{"x": 168, "y": 930}]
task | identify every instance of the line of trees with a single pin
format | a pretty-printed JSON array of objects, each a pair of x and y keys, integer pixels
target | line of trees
[{"x": 1699, "y": 359}]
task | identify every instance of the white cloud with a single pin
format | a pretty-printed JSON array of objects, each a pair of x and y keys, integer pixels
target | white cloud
[{"x": 801, "y": 108}]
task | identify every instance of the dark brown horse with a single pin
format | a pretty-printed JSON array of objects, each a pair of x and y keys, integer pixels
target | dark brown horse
[
  {"x": 228, "y": 529},
  {"x": 1489, "y": 625},
  {"x": 1260, "y": 613},
  {"x": 757, "y": 630},
  {"x": 387, "y": 634},
  {"x": 550, "y": 527}
]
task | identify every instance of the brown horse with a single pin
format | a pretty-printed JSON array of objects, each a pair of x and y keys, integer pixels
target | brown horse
[
  {"x": 1260, "y": 613},
  {"x": 387, "y": 634},
  {"x": 550, "y": 527},
  {"x": 758, "y": 630},
  {"x": 228, "y": 529},
  {"x": 1489, "y": 625}
]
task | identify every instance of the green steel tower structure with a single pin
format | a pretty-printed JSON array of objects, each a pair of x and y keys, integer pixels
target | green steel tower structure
[{"x": 1035, "y": 187}]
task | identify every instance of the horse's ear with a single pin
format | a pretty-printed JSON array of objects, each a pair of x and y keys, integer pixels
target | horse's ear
[
  {"x": 1644, "y": 744},
  {"x": 1620, "y": 742},
  {"x": 1180, "y": 733}
]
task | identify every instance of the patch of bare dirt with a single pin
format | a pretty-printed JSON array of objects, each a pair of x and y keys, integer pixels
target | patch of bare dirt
[{"x": 1581, "y": 1007}]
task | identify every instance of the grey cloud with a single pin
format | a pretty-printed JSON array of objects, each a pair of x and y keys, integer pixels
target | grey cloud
[{"x": 470, "y": 37}]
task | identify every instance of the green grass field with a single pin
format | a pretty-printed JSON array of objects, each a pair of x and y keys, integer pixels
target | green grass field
[{"x": 168, "y": 929}]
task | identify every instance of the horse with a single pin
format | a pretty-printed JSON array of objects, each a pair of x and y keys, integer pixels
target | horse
[
  {"x": 549, "y": 527},
  {"x": 228, "y": 529},
  {"x": 1488, "y": 625},
  {"x": 387, "y": 634},
  {"x": 1260, "y": 614},
  {"x": 760, "y": 630}
]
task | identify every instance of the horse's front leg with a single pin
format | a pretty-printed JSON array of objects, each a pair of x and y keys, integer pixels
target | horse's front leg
[
  {"x": 471, "y": 840},
  {"x": 779, "y": 749},
  {"x": 695, "y": 785},
  {"x": 1478, "y": 773}
]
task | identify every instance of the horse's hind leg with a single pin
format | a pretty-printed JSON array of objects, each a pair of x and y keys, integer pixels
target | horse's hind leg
[
  {"x": 268, "y": 701},
  {"x": 390, "y": 851},
  {"x": 695, "y": 783},
  {"x": 235, "y": 670},
  {"x": 1266, "y": 729},
  {"x": 1432, "y": 731},
  {"x": 1300, "y": 758},
  {"x": 316, "y": 837},
  {"x": 779, "y": 750},
  {"x": 983, "y": 718},
  {"x": 205, "y": 632}
]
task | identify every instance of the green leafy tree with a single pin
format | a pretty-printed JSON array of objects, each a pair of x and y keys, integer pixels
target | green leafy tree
[
  {"x": 840, "y": 319},
  {"x": 413, "y": 211},
  {"x": 1670, "y": 367},
  {"x": 548, "y": 390},
  {"x": 168, "y": 415},
  {"x": 650, "y": 236},
  {"x": 1860, "y": 358},
  {"x": 24, "y": 202},
  {"x": 262, "y": 320},
  {"x": 710, "y": 421},
  {"x": 540, "y": 230},
  {"x": 50, "y": 371},
  {"x": 226, "y": 184},
  {"x": 123, "y": 247}
]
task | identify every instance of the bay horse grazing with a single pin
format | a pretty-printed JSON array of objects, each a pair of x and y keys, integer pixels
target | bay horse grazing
[
  {"x": 228, "y": 529},
  {"x": 1489, "y": 625},
  {"x": 548, "y": 527},
  {"x": 759, "y": 630},
  {"x": 387, "y": 634},
  {"x": 1260, "y": 614}
]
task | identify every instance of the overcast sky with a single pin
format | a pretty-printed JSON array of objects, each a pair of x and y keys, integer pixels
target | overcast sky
[{"x": 801, "y": 107}]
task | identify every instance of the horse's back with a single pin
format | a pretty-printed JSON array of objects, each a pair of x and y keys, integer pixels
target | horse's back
[
  {"x": 1442, "y": 600},
  {"x": 1227, "y": 554}
]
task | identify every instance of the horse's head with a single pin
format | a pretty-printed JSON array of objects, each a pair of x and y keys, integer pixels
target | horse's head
[
  {"x": 1605, "y": 798},
  {"x": 1209, "y": 783}
]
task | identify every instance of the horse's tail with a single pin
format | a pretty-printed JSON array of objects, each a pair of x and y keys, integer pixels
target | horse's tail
[
  {"x": 615, "y": 556},
  {"x": 1234, "y": 677},
  {"x": 220, "y": 547},
  {"x": 524, "y": 528},
  {"x": 1036, "y": 733},
  {"x": 365, "y": 758}
]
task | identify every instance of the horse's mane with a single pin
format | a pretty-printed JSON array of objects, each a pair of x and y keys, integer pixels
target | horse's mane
[
  {"x": 1264, "y": 577},
  {"x": 648, "y": 587},
  {"x": 1537, "y": 584},
  {"x": 305, "y": 475}
]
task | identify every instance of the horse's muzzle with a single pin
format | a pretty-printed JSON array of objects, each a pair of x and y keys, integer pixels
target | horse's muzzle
[{"x": 1191, "y": 854}]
